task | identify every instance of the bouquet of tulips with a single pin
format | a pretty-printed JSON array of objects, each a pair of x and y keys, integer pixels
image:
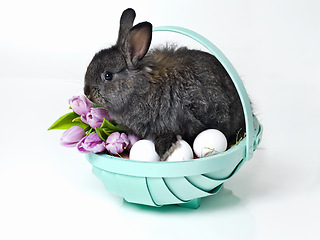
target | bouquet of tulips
[{"x": 90, "y": 129}]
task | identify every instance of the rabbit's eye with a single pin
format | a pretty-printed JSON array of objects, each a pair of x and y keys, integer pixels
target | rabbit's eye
[{"x": 108, "y": 76}]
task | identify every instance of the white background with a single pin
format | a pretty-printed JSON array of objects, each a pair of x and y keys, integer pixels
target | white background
[{"x": 48, "y": 191}]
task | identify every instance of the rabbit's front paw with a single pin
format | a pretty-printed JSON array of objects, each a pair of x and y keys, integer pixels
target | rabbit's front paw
[{"x": 166, "y": 145}]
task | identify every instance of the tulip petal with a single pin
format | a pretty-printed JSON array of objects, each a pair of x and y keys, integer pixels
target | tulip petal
[
  {"x": 113, "y": 137},
  {"x": 72, "y": 136},
  {"x": 80, "y": 104},
  {"x": 112, "y": 149}
]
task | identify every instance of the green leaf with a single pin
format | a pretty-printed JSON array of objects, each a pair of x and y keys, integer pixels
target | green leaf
[
  {"x": 101, "y": 134},
  {"x": 119, "y": 127},
  {"x": 68, "y": 120},
  {"x": 96, "y": 105},
  {"x": 107, "y": 132},
  {"x": 77, "y": 119},
  {"x": 106, "y": 129},
  {"x": 90, "y": 131},
  {"x": 109, "y": 126}
]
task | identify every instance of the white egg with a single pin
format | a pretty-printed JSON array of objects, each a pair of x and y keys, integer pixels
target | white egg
[
  {"x": 209, "y": 142},
  {"x": 144, "y": 150},
  {"x": 181, "y": 153}
]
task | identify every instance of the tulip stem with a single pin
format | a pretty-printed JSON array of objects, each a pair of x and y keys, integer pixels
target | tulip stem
[{"x": 88, "y": 130}]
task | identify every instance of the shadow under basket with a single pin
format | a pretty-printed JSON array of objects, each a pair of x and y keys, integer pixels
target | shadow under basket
[{"x": 183, "y": 183}]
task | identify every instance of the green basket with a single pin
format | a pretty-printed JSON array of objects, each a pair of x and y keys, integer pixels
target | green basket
[{"x": 186, "y": 182}]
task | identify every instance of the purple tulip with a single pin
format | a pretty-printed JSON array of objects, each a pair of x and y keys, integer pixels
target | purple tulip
[
  {"x": 91, "y": 143},
  {"x": 132, "y": 140},
  {"x": 116, "y": 142},
  {"x": 80, "y": 105},
  {"x": 95, "y": 117},
  {"x": 72, "y": 136}
]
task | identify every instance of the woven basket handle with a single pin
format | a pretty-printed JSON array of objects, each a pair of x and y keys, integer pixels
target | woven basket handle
[{"x": 233, "y": 75}]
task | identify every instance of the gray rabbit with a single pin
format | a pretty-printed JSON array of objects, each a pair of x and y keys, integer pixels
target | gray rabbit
[{"x": 163, "y": 93}]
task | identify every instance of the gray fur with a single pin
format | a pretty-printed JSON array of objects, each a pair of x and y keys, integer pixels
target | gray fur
[{"x": 165, "y": 92}]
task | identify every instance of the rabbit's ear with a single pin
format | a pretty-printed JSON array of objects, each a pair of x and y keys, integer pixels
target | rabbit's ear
[
  {"x": 138, "y": 42},
  {"x": 126, "y": 23}
]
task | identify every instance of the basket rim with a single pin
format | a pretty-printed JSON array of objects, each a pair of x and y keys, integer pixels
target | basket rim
[
  {"x": 191, "y": 167},
  {"x": 219, "y": 162}
]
